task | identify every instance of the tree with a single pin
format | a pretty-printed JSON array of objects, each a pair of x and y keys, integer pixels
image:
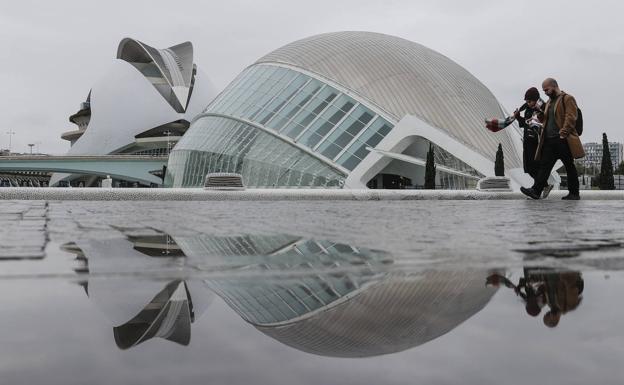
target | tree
[
  {"x": 620, "y": 169},
  {"x": 430, "y": 170},
  {"x": 606, "y": 168},
  {"x": 499, "y": 164}
]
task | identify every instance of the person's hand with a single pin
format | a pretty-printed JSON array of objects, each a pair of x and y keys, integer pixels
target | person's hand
[
  {"x": 516, "y": 114},
  {"x": 563, "y": 134}
]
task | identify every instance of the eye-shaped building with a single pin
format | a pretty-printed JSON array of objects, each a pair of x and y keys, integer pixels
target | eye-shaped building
[{"x": 348, "y": 110}]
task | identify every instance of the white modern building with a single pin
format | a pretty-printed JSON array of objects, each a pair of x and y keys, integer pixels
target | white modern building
[
  {"x": 348, "y": 110},
  {"x": 593, "y": 153},
  {"x": 141, "y": 106}
]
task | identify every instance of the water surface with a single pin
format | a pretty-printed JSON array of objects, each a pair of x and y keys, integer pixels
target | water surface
[{"x": 311, "y": 292}]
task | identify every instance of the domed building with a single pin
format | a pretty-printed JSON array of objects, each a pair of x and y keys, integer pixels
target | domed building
[
  {"x": 141, "y": 106},
  {"x": 348, "y": 110}
]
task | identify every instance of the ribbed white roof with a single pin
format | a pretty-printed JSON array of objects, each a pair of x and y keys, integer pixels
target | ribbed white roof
[
  {"x": 174, "y": 63},
  {"x": 402, "y": 77},
  {"x": 398, "y": 313}
]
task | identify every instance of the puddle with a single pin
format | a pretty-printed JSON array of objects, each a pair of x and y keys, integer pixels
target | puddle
[{"x": 137, "y": 299}]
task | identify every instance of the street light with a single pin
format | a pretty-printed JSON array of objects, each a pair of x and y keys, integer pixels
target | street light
[
  {"x": 168, "y": 133},
  {"x": 10, "y": 133}
]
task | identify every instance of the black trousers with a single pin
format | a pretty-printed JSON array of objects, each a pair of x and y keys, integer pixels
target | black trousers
[
  {"x": 531, "y": 166},
  {"x": 556, "y": 148}
]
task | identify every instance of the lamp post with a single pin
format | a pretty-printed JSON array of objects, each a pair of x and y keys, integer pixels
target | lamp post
[
  {"x": 10, "y": 133},
  {"x": 168, "y": 133}
]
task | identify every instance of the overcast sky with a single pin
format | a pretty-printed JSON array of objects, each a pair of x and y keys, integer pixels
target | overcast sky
[{"x": 54, "y": 51}]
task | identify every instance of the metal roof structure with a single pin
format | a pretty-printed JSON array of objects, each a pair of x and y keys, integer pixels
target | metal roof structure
[{"x": 401, "y": 77}]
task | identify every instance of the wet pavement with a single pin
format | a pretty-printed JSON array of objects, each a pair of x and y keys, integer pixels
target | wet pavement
[{"x": 335, "y": 292}]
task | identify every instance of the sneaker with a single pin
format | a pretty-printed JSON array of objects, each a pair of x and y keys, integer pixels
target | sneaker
[
  {"x": 572, "y": 197},
  {"x": 530, "y": 193},
  {"x": 547, "y": 191}
]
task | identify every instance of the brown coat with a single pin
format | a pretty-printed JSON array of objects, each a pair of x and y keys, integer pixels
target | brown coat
[{"x": 565, "y": 117}]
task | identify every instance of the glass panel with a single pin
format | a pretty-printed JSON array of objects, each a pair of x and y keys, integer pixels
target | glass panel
[
  {"x": 344, "y": 134},
  {"x": 296, "y": 104},
  {"x": 326, "y": 122},
  {"x": 370, "y": 138},
  {"x": 275, "y": 86},
  {"x": 310, "y": 112},
  {"x": 349, "y": 161},
  {"x": 278, "y": 102}
]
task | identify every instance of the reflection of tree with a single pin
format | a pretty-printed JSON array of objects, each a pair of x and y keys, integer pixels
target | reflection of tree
[{"x": 559, "y": 291}]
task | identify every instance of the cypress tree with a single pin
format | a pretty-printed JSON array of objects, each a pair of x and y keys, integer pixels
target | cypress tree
[
  {"x": 606, "y": 168},
  {"x": 430, "y": 170},
  {"x": 499, "y": 164}
]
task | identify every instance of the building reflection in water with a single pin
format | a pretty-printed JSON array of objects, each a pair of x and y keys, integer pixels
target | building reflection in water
[
  {"x": 319, "y": 297},
  {"x": 554, "y": 291},
  {"x": 140, "y": 308},
  {"x": 168, "y": 315}
]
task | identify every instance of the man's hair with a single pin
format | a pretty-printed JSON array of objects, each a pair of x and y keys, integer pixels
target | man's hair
[{"x": 551, "y": 81}]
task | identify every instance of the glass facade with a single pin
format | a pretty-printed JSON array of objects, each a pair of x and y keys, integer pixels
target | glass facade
[
  {"x": 343, "y": 270},
  {"x": 448, "y": 181},
  {"x": 335, "y": 128},
  {"x": 281, "y": 128},
  {"x": 159, "y": 151},
  {"x": 219, "y": 144}
]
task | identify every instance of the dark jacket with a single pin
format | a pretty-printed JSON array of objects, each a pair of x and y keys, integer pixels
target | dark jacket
[
  {"x": 530, "y": 133},
  {"x": 530, "y": 139}
]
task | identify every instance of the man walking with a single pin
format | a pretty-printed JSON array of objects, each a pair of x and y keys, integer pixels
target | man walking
[{"x": 558, "y": 140}]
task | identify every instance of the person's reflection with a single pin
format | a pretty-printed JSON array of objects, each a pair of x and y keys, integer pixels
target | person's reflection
[{"x": 559, "y": 291}]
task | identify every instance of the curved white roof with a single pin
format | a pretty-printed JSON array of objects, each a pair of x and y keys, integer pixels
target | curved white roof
[
  {"x": 124, "y": 104},
  {"x": 174, "y": 64},
  {"x": 402, "y": 77},
  {"x": 400, "y": 312},
  {"x": 136, "y": 95}
]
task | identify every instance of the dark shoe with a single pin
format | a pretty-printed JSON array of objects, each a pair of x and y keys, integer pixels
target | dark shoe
[
  {"x": 530, "y": 193},
  {"x": 572, "y": 197}
]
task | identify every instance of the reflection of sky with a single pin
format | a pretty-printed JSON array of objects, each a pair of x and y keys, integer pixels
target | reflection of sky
[{"x": 499, "y": 345}]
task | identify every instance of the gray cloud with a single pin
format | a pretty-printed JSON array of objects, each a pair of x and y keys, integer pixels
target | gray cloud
[{"x": 54, "y": 51}]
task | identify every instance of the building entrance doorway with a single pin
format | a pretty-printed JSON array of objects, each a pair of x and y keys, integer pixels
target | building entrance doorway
[{"x": 389, "y": 181}]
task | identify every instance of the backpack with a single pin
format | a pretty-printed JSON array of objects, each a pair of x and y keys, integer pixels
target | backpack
[{"x": 579, "y": 117}]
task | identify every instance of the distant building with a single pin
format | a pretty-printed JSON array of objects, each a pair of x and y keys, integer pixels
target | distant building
[
  {"x": 23, "y": 178},
  {"x": 593, "y": 153}
]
